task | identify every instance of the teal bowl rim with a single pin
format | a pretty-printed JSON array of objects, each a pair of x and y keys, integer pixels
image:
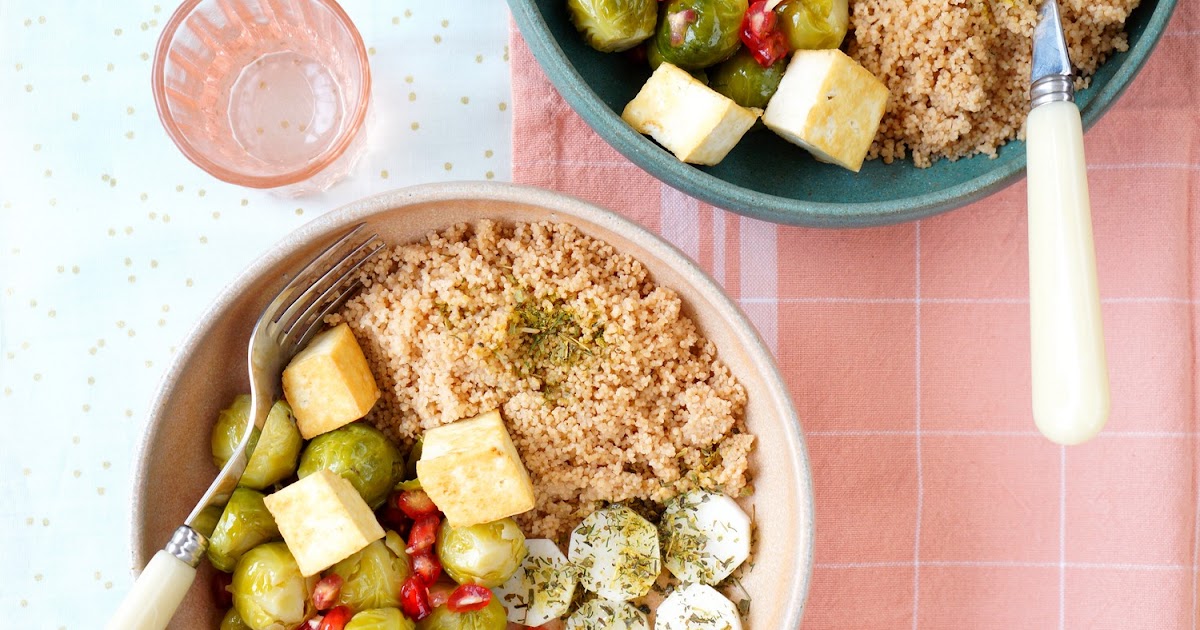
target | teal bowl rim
[{"x": 699, "y": 184}]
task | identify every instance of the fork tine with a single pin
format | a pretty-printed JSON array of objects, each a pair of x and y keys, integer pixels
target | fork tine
[
  {"x": 310, "y": 319},
  {"x": 283, "y": 299},
  {"x": 317, "y": 288},
  {"x": 317, "y": 323}
]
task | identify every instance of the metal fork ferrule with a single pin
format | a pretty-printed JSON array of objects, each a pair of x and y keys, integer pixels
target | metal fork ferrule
[
  {"x": 1051, "y": 89},
  {"x": 188, "y": 545}
]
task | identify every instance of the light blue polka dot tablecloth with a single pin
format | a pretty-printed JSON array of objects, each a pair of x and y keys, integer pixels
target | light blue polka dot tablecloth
[{"x": 112, "y": 244}]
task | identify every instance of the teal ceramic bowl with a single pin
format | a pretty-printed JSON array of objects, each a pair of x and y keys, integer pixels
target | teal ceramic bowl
[{"x": 767, "y": 178}]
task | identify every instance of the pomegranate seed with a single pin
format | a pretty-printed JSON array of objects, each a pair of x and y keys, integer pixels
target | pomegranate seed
[
  {"x": 390, "y": 517},
  {"x": 439, "y": 593},
  {"x": 326, "y": 592},
  {"x": 427, "y": 567},
  {"x": 415, "y": 503},
  {"x": 414, "y": 599},
  {"x": 469, "y": 598},
  {"x": 220, "y": 589},
  {"x": 336, "y": 619},
  {"x": 762, "y": 36},
  {"x": 679, "y": 21},
  {"x": 423, "y": 534}
]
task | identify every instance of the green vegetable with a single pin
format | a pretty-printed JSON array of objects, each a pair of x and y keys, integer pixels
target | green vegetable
[
  {"x": 490, "y": 617},
  {"x": 487, "y": 554},
  {"x": 359, "y": 453},
  {"x": 414, "y": 456},
  {"x": 268, "y": 591},
  {"x": 694, "y": 34},
  {"x": 742, "y": 79},
  {"x": 244, "y": 525},
  {"x": 814, "y": 24},
  {"x": 614, "y": 25},
  {"x": 372, "y": 578},
  {"x": 206, "y": 520},
  {"x": 273, "y": 449},
  {"x": 233, "y": 621},
  {"x": 380, "y": 619}
]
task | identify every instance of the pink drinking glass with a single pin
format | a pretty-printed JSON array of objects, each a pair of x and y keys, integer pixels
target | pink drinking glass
[{"x": 266, "y": 93}]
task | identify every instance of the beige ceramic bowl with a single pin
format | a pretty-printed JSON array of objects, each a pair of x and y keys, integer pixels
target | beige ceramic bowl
[{"x": 175, "y": 466}]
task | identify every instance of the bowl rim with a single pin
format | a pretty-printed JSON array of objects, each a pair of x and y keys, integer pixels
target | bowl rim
[
  {"x": 194, "y": 155},
  {"x": 570, "y": 207},
  {"x": 702, "y": 185}
]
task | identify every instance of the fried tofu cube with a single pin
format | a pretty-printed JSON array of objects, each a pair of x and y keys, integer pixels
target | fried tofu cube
[
  {"x": 329, "y": 384},
  {"x": 687, "y": 117},
  {"x": 323, "y": 520},
  {"x": 829, "y": 105},
  {"x": 472, "y": 471}
]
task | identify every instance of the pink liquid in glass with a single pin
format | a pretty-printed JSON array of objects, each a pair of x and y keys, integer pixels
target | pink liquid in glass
[{"x": 266, "y": 93}]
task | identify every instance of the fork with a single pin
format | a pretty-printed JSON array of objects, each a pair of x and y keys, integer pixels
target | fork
[{"x": 287, "y": 324}]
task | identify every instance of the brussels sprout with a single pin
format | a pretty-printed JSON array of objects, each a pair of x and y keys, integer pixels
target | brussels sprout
[
  {"x": 695, "y": 34},
  {"x": 273, "y": 449},
  {"x": 244, "y": 525},
  {"x": 414, "y": 456},
  {"x": 359, "y": 453},
  {"x": 654, "y": 58},
  {"x": 206, "y": 520},
  {"x": 487, "y": 554},
  {"x": 268, "y": 590},
  {"x": 233, "y": 621},
  {"x": 814, "y": 24},
  {"x": 380, "y": 619},
  {"x": 490, "y": 617},
  {"x": 744, "y": 80},
  {"x": 372, "y": 578},
  {"x": 614, "y": 25}
]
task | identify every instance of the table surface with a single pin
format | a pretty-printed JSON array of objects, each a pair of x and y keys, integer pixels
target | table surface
[{"x": 112, "y": 244}]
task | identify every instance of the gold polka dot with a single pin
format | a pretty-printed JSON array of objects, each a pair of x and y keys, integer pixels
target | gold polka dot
[
  {"x": 383, "y": 174},
  {"x": 395, "y": 20},
  {"x": 488, "y": 153},
  {"x": 117, "y": 32},
  {"x": 216, "y": 215},
  {"x": 144, "y": 196},
  {"x": 75, "y": 269},
  {"x": 100, "y": 342},
  {"x": 37, "y": 577},
  {"x": 52, "y": 313},
  {"x": 54, "y": 201},
  {"x": 24, "y": 604},
  {"x": 145, "y": 56},
  {"x": 412, "y": 96},
  {"x": 19, "y": 67},
  {"x": 92, "y": 350},
  {"x": 112, "y": 182},
  {"x": 408, "y": 79},
  {"x": 112, "y": 232},
  {"x": 48, "y": 173},
  {"x": 85, "y": 78},
  {"x": 8, "y": 391},
  {"x": 45, "y": 522},
  {"x": 37, "y": 147},
  {"x": 28, "y": 87},
  {"x": 153, "y": 264},
  {"x": 27, "y": 471},
  {"x": 41, "y": 19},
  {"x": 408, "y": 13},
  {"x": 128, "y": 229},
  {"x": 129, "y": 135},
  {"x": 437, "y": 39},
  {"x": 128, "y": 262},
  {"x": 87, "y": 408},
  {"x": 29, "y": 521},
  {"x": 132, "y": 333},
  {"x": 189, "y": 282},
  {"x": 107, "y": 585},
  {"x": 74, "y": 439},
  {"x": 371, "y": 50},
  {"x": 145, "y": 26},
  {"x": 106, "y": 465},
  {"x": 166, "y": 218},
  {"x": 464, "y": 100},
  {"x": 132, "y": 279},
  {"x": 245, "y": 202},
  {"x": 157, "y": 8},
  {"x": 203, "y": 240},
  {"x": 503, "y": 106},
  {"x": 28, "y": 21},
  {"x": 129, "y": 110},
  {"x": 149, "y": 364},
  {"x": 415, "y": 126},
  {"x": 445, "y": 23},
  {"x": 100, "y": 491},
  {"x": 201, "y": 192},
  {"x": 162, "y": 322},
  {"x": 490, "y": 175},
  {"x": 299, "y": 211},
  {"x": 478, "y": 58},
  {"x": 128, "y": 413},
  {"x": 179, "y": 188},
  {"x": 37, "y": 377},
  {"x": 120, "y": 323},
  {"x": 166, "y": 308},
  {"x": 447, "y": 166},
  {"x": 284, "y": 124},
  {"x": 91, "y": 380},
  {"x": 109, "y": 67},
  {"x": 32, "y": 303}
]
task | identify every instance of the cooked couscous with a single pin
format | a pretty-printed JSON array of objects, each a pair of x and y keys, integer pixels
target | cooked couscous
[
  {"x": 958, "y": 72},
  {"x": 608, "y": 389}
]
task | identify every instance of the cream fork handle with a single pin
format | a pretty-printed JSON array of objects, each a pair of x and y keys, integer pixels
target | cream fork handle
[
  {"x": 155, "y": 595},
  {"x": 1069, "y": 369}
]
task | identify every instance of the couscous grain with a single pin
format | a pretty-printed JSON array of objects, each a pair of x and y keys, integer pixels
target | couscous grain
[{"x": 608, "y": 389}]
